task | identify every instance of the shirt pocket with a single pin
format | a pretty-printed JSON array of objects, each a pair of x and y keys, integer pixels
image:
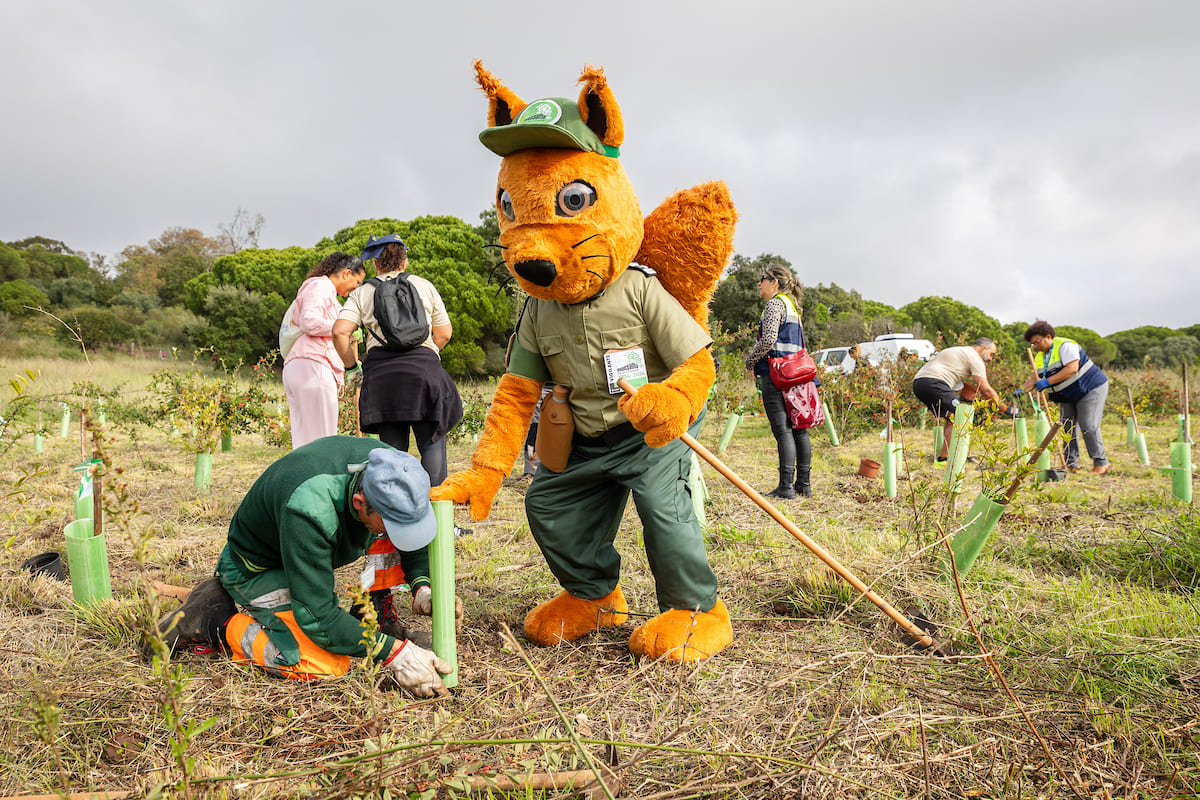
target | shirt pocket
[
  {"x": 550, "y": 348},
  {"x": 623, "y": 338}
]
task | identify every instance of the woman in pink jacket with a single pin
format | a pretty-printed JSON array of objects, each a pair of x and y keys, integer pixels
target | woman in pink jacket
[{"x": 313, "y": 371}]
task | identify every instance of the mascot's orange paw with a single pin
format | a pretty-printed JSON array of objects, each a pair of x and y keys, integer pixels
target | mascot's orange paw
[
  {"x": 682, "y": 635},
  {"x": 567, "y": 617}
]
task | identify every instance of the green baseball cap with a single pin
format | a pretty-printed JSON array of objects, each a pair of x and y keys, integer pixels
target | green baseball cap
[{"x": 549, "y": 122}]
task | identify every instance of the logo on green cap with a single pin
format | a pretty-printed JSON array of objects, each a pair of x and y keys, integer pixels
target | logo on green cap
[{"x": 541, "y": 112}]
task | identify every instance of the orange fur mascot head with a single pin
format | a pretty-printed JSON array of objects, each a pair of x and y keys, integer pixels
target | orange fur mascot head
[{"x": 605, "y": 287}]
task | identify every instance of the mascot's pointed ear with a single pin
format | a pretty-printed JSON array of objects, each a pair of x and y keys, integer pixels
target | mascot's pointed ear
[
  {"x": 503, "y": 103},
  {"x": 599, "y": 108}
]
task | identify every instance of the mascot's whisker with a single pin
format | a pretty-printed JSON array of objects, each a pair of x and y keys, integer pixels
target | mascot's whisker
[
  {"x": 598, "y": 255},
  {"x": 581, "y": 241}
]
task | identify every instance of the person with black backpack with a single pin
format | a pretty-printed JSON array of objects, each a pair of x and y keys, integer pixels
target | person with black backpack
[{"x": 405, "y": 391}]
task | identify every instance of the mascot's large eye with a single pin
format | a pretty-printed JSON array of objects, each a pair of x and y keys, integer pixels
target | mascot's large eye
[
  {"x": 574, "y": 199},
  {"x": 505, "y": 206}
]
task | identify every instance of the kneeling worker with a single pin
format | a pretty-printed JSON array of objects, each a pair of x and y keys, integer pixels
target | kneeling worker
[
  {"x": 934, "y": 384},
  {"x": 314, "y": 510}
]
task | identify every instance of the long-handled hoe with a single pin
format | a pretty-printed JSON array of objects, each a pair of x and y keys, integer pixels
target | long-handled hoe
[{"x": 907, "y": 625}]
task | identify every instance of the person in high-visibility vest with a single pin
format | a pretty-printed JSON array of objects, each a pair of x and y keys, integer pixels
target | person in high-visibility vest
[{"x": 1079, "y": 387}]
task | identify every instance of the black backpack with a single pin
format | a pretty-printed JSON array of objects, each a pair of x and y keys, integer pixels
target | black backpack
[{"x": 400, "y": 314}]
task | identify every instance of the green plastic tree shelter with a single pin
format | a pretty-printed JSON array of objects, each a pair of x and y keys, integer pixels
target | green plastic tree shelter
[
  {"x": 1142, "y": 451},
  {"x": 892, "y": 453},
  {"x": 833, "y": 436},
  {"x": 64, "y": 428},
  {"x": 699, "y": 491},
  {"x": 730, "y": 426},
  {"x": 87, "y": 503},
  {"x": 202, "y": 478},
  {"x": 1181, "y": 471},
  {"x": 1021, "y": 431},
  {"x": 441, "y": 579},
  {"x": 981, "y": 519},
  {"x": 87, "y": 559},
  {"x": 960, "y": 445}
]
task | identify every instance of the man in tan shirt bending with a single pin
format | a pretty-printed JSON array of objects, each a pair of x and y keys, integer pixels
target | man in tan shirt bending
[{"x": 936, "y": 383}]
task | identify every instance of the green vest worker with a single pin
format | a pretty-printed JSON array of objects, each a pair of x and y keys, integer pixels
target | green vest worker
[{"x": 318, "y": 508}]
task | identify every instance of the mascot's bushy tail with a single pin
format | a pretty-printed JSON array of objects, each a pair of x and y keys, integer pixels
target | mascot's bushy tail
[{"x": 688, "y": 240}]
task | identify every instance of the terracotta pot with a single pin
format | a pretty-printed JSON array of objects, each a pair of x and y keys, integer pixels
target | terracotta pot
[{"x": 868, "y": 468}]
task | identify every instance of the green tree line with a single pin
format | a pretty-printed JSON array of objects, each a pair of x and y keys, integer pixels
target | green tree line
[
  {"x": 837, "y": 317},
  {"x": 185, "y": 289}
]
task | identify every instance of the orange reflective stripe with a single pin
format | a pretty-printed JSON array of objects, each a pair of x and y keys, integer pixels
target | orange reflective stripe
[
  {"x": 385, "y": 558},
  {"x": 245, "y": 633}
]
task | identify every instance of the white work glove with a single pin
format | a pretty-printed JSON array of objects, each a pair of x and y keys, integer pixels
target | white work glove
[
  {"x": 354, "y": 378},
  {"x": 422, "y": 603},
  {"x": 416, "y": 670}
]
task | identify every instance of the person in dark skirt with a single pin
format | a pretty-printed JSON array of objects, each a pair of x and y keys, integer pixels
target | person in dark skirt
[{"x": 404, "y": 393}]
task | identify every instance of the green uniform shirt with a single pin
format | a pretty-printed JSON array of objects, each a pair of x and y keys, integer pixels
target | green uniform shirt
[
  {"x": 298, "y": 517},
  {"x": 566, "y": 343}
]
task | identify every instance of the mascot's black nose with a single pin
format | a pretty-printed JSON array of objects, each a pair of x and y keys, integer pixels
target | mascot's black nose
[{"x": 538, "y": 271}]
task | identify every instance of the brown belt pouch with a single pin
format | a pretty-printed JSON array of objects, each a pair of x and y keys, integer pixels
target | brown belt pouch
[{"x": 556, "y": 429}]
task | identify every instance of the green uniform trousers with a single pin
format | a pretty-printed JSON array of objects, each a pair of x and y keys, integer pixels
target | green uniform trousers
[{"x": 574, "y": 516}]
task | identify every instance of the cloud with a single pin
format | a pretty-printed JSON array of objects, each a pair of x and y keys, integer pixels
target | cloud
[{"x": 1031, "y": 159}]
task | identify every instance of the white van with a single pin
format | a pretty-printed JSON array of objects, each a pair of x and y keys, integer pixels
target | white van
[
  {"x": 832, "y": 358},
  {"x": 887, "y": 347}
]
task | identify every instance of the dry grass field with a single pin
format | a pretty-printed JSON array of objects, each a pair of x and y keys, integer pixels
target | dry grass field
[{"x": 1077, "y": 634}]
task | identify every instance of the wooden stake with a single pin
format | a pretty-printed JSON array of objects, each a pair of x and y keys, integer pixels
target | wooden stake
[
  {"x": 1033, "y": 457},
  {"x": 907, "y": 625},
  {"x": 1187, "y": 419},
  {"x": 1132, "y": 410}
]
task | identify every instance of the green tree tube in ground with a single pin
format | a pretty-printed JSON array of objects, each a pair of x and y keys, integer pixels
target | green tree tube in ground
[
  {"x": 1181, "y": 471},
  {"x": 203, "y": 477},
  {"x": 699, "y": 491},
  {"x": 87, "y": 559},
  {"x": 939, "y": 438},
  {"x": 1022, "y": 434},
  {"x": 441, "y": 577},
  {"x": 1142, "y": 451},
  {"x": 833, "y": 437},
  {"x": 1130, "y": 432},
  {"x": 730, "y": 425},
  {"x": 37, "y": 443},
  {"x": 960, "y": 444},
  {"x": 226, "y": 441},
  {"x": 976, "y": 528},
  {"x": 1041, "y": 426},
  {"x": 891, "y": 464},
  {"x": 84, "y": 507},
  {"x": 64, "y": 429}
]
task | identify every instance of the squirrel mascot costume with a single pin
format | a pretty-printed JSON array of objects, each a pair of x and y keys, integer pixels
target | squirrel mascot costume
[{"x": 571, "y": 230}]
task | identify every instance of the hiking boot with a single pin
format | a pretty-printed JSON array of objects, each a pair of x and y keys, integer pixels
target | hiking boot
[
  {"x": 199, "y": 620},
  {"x": 803, "y": 487},
  {"x": 785, "y": 490}
]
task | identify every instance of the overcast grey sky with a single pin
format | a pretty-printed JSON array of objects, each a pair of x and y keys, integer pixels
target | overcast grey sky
[{"x": 1034, "y": 159}]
